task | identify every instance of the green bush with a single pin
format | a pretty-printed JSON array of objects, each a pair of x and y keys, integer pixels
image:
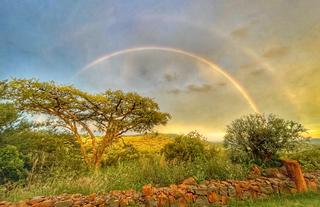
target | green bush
[
  {"x": 47, "y": 149},
  {"x": 11, "y": 165},
  {"x": 221, "y": 168},
  {"x": 260, "y": 138},
  {"x": 185, "y": 148},
  {"x": 309, "y": 158},
  {"x": 119, "y": 152}
]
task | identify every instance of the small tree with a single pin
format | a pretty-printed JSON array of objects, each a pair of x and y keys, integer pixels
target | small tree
[
  {"x": 107, "y": 115},
  {"x": 260, "y": 137},
  {"x": 185, "y": 148},
  {"x": 11, "y": 164}
]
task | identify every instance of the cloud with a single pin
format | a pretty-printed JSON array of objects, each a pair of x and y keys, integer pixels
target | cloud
[
  {"x": 258, "y": 72},
  {"x": 174, "y": 91},
  {"x": 240, "y": 32},
  {"x": 276, "y": 52},
  {"x": 170, "y": 77},
  {"x": 193, "y": 88},
  {"x": 199, "y": 88}
]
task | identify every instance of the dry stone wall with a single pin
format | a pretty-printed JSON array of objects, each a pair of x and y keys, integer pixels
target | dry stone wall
[{"x": 189, "y": 192}]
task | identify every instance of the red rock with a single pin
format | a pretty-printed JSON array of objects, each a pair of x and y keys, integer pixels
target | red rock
[
  {"x": 254, "y": 172},
  {"x": 92, "y": 197},
  {"x": 190, "y": 181},
  {"x": 163, "y": 200},
  {"x": 224, "y": 200},
  {"x": 189, "y": 197},
  {"x": 312, "y": 185},
  {"x": 255, "y": 188},
  {"x": 239, "y": 191},
  {"x": 182, "y": 202},
  {"x": 213, "y": 197},
  {"x": 21, "y": 204},
  {"x": 147, "y": 190},
  {"x": 254, "y": 194},
  {"x": 35, "y": 200},
  {"x": 45, "y": 203},
  {"x": 295, "y": 172},
  {"x": 172, "y": 200}
]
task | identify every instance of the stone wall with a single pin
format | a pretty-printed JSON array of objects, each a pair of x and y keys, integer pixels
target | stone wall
[{"x": 189, "y": 192}]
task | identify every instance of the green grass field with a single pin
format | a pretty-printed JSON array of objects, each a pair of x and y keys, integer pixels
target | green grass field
[
  {"x": 310, "y": 199},
  {"x": 149, "y": 143}
]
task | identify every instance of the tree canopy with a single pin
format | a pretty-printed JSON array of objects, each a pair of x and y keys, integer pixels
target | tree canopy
[
  {"x": 102, "y": 116},
  {"x": 261, "y": 137}
]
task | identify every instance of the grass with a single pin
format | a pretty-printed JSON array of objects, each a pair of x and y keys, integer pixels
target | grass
[
  {"x": 150, "y": 143},
  {"x": 148, "y": 169},
  {"x": 124, "y": 176},
  {"x": 310, "y": 199},
  {"x": 145, "y": 143}
]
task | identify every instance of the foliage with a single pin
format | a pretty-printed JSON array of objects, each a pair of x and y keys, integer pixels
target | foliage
[
  {"x": 309, "y": 157},
  {"x": 261, "y": 138},
  {"x": 11, "y": 121},
  {"x": 185, "y": 148},
  {"x": 309, "y": 199},
  {"x": 8, "y": 116},
  {"x": 120, "y": 152},
  {"x": 150, "y": 143},
  {"x": 11, "y": 164},
  {"x": 46, "y": 149},
  {"x": 111, "y": 113},
  {"x": 222, "y": 168},
  {"x": 126, "y": 175}
]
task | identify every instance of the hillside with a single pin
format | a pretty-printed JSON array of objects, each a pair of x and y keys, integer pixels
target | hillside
[
  {"x": 149, "y": 143},
  {"x": 315, "y": 141}
]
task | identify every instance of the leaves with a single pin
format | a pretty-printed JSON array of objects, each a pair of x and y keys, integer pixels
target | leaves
[
  {"x": 11, "y": 164},
  {"x": 262, "y": 137},
  {"x": 185, "y": 148},
  {"x": 110, "y": 113}
]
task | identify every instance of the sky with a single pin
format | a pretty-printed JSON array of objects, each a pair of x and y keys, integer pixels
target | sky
[{"x": 206, "y": 62}]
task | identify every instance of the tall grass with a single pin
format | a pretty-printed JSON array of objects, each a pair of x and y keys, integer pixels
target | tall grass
[{"x": 125, "y": 175}]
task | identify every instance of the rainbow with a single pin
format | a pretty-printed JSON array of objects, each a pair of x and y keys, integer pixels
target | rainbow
[{"x": 212, "y": 65}]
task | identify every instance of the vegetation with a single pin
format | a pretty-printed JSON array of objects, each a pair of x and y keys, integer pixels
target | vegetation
[
  {"x": 185, "y": 148},
  {"x": 124, "y": 175},
  {"x": 149, "y": 143},
  {"x": 309, "y": 157},
  {"x": 310, "y": 199},
  {"x": 38, "y": 159},
  {"x": 260, "y": 138},
  {"x": 11, "y": 165},
  {"x": 111, "y": 113}
]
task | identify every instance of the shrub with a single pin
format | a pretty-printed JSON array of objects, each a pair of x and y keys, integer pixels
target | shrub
[
  {"x": 185, "y": 148},
  {"x": 11, "y": 165},
  {"x": 261, "y": 138},
  {"x": 309, "y": 158},
  {"x": 221, "y": 168},
  {"x": 120, "y": 152},
  {"x": 46, "y": 149}
]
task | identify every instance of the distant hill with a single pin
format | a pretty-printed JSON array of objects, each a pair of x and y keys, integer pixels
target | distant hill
[
  {"x": 154, "y": 142},
  {"x": 315, "y": 141},
  {"x": 149, "y": 143}
]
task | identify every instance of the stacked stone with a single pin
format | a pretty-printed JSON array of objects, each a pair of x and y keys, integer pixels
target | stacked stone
[{"x": 188, "y": 193}]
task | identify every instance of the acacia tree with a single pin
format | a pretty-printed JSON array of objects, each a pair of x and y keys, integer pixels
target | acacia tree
[
  {"x": 105, "y": 116},
  {"x": 261, "y": 137}
]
